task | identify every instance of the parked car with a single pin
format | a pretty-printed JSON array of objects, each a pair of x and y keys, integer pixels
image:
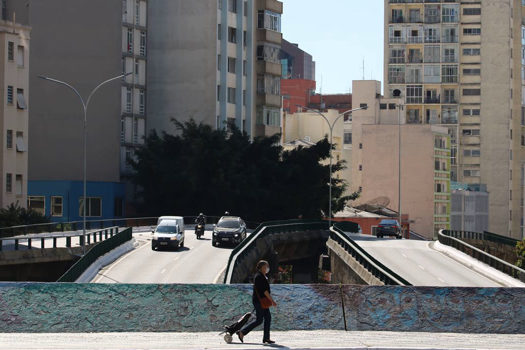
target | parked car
[
  {"x": 167, "y": 235},
  {"x": 179, "y": 219},
  {"x": 389, "y": 228},
  {"x": 229, "y": 230}
]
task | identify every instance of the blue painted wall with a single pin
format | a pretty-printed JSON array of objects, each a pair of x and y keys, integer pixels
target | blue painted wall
[{"x": 71, "y": 192}]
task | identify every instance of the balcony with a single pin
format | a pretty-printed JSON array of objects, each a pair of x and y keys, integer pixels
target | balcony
[
  {"x": 269, "y": 36},
  {"x": 450, "y": 39},
  {"x": 449, "y": 120},
  {"x": 415, "y": 39},
  {"x": 432, "y": 19},
  {"x": 415, "y": 59},
  {"x": 432, "y": 100},
  {"x": 264, "y": 67},
  {"x": 271, "y": 5},
  {"x": 269, "y": 100},
  {"x": 398, "y": 19},
  {"x": 397, "y": 40}
]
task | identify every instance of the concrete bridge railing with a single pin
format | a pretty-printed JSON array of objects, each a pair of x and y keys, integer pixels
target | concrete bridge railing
[
  {"x": 74, "y": 308},
  {"x": 448, "y": 238}
]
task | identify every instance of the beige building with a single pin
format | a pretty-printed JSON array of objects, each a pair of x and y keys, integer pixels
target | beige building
[
  {"x": 14, "y": 77},
  {"x": 374, "y": 136},
  {"x": 460, "y": 64},
  {"x": 216, "y": 62}
]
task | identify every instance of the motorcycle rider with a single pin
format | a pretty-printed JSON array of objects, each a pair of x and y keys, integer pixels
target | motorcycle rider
[{"x": 200, "y": 221}]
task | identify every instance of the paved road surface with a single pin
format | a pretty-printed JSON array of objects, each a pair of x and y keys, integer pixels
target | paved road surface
[
  {"x": 197, "y": 262},
  {"x": 286, "y": 340},
  {"x": 421, "y": 265}
]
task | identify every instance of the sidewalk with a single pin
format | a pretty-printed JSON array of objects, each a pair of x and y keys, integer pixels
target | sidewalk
[{"x": 286, "y": 340}]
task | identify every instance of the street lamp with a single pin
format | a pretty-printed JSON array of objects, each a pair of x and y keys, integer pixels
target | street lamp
[
  {"x": 399, "y": 108},
  {"x": 331, "y": 126},
  {"x": 85, "y": 105}
]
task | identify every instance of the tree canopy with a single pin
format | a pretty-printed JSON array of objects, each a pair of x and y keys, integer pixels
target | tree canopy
[{"x": 212, "y": 171}]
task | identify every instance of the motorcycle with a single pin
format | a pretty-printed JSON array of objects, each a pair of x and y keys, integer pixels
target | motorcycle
[{"x": 199, "y": 230}]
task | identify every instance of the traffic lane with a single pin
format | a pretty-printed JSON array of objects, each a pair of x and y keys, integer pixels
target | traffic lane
[
  {"x": 421, "y": 265},
  {"x": 197, "y": 262}
]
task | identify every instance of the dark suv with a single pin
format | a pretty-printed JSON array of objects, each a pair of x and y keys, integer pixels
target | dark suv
[
  {"x": 389, "y": 228},
  {"x": 230, "y": 230}
]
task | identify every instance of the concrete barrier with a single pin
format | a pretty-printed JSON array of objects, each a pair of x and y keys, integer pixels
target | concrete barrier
[{"x": 65, "y": 307}]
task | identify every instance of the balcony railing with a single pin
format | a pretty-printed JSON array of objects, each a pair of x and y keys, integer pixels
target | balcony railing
[
  {"x": 415, "y": 59},
  {"x": 432, "y": 39},
  {"x": 397, "y": 40},
  {"x": 432, "y": 19},
  {"x": 450, "y": 39},
  {"x": 397, "y": 19},
  {"x": 432, "y": 100},
  {"x": 415, "y": 39},
  {"x": 449, "y": 120}
]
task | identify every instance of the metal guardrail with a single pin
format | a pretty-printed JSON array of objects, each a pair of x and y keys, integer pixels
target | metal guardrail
[
  {"x": 92, "y": 236},
  {"x": 94, "y": 253},
  {"x": 265, "y": 229},
  {"x": 445, "y": 237},
  {"x": 482, "y": 236},
  {"x": 376, "y": 268}
]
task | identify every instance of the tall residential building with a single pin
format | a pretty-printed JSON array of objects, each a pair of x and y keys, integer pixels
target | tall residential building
[
  {"x": 460, "y": 64},
  {"x": 296, "y": 63},
  {"x": 83, "y": 43},
  {"x": 14, "y": 116},
  {"x": 216, "y": 62}
]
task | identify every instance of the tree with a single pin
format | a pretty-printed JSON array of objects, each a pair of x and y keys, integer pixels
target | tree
[
  {"x": 213, "y": 171},
  {"x": 14, "y": 215},
  {"x": 520, "y": 252}
]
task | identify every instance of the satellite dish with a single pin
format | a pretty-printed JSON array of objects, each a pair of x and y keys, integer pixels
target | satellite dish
[
  {"x": 396, "y": 93},
  {"x": 379, "y": 202}
]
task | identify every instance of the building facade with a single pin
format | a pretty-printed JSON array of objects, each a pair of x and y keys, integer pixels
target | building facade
[
  {"x": 469, "y": 208},
  {"x": 459, "y": 64},
  {"x": 14, "y": 115},
  {"x": 372, "y": 140},
  {"x": 296, "y": 63},
  {"x": 65, "y": 50},
  {"x": 226, "y": 72}
]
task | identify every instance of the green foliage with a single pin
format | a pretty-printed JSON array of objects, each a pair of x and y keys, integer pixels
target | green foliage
[
  {"x": 212, "y": 171},
  {"x": 520, "y": 252},
  {"x": 14, "y": 215}
]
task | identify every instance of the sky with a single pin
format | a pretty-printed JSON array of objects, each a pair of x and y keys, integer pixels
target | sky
[{"x": 339, "y": 34}]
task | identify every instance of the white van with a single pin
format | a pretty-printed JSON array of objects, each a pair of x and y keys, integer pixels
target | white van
[
  {"x": 179, "y": 219},
  {"x": 167, "y": 235}
]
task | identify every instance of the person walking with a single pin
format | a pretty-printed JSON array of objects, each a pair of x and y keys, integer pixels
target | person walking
[{"x": 262, "y": 302}]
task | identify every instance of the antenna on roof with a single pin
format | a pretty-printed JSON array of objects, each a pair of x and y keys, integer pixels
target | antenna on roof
[{"x": 363, "y": 68}]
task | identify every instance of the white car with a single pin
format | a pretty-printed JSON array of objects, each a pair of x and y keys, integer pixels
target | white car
[
  {"x": 179, "y": 219},
  {"x": 167, "y": 235}
]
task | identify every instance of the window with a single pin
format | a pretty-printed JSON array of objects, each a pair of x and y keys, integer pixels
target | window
[
  {"x": 348, "y": 138},
  {"x": 472, "y": 11},
  {"x": 135, "y": 130},
  {"x": 232, "y": 35},
  {"x": 471, "y": 173},
  {"x": 360, "y": 167},
  {"x": 122, "y": 130},
  {"x": 142, "y": 102},
  {"x": 449, "y": 55},
  {"x": 9, "y": 139},
  {"x": 93, "y": 207},
  {"x": 137, "y": 66},
  {"x": 471, "y": 52},
  {"x": 4, "y": 10},
  {"x": 218, "y": 92},
  {"x": 219, "y": 57},
  {"x": 9, "y": 183},
  {"x": 124, "y": 10},
  {"x": 244, "y": 38},
  {"x": 244, "y": 97},
  {"x": 397, "y": 56},
  {"x": 219, "y": 4},
  {"x": 20, "y": 100},
  {"x": 414, "y": 74},
  {"x": 245, "y": 68},
  {"x": 432, "y": 74},
  {"x": 19, "y": 185},
  {"x": 472, "y": 153},
  {"x": 231, "y": 95},
  {"x": 414, "y": 15},
  {"x": 268, "y": 84},
  {"x": 269, "y": 20},
  {"x": 231, "y": 64},
  {"x": 413, "y": 116},
  {"x": 57, "y": 206},
  {"x": 130, "y": 40},
  {"x": 232, "y": 6},
  {"x": 20, "y": 145},
  {"x": 129, "y": 105},
  {"x": 268, "y": 53},
  {"x": 10, "y": 51},
  {"x": 269, "y": 116},
  {"x": 382, "y": 106},
  {"x": 471, "y": 31},
  {"x": 396, "y": 74},
  {"x": 450, "y": 35},
  {"x": 449, "y": 74},
  {"x": 219, "y": 35},
  {"x": 37, "y": 204},
  {"x": 450, "y": 13},
  {"x": 432, "y": 54},
  {"x": 414, "y": 94},
  {"x": 471, "y": 112},
  {"x": 143, "y": 43},
  {"x": 432, "y": 35},
  {"x": 471, "y": 71},
  {"x": 449, "y": 96},
  {"x": 470, "y": 132},
  {"x": 414, "y": 56},
  {"x": 471, "y": 92},
  {"x": 397, "y": 16},
  {"x": 432, "y": 14},
  {"x": 245, "y": 8},
  {"x": 137, "y": 12},
  {"x": 10, "y": 94},
  {"x": 391, "y": 106}
]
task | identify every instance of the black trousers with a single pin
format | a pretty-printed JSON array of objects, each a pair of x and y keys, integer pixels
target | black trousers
[{"x": 262, "y": 315}]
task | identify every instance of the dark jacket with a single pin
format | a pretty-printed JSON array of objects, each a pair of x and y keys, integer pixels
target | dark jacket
[{"x": 260, "y": 286}]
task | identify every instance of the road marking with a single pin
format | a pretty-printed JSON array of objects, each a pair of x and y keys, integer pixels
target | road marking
[
  {"x": 118, "y": 261},
  {"x": 162, "y": 271},
  {"x": 441, "y": 280},
  {"x": 404, "y": 256},
  {"x": 421, "y": 267}
]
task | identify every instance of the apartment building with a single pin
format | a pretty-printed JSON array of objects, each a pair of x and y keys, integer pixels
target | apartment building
[
  {"x": 296, "y": 63},
  {"x": 14, "y": 116},
  {"x": 216, "y": 62},
  {"x": 389, "y": 157},
  {"x": 83, "y": 43},
  {"x": 459, "y": 64}
]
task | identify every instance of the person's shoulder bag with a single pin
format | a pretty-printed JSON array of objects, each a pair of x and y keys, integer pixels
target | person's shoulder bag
[{"x": 265, "y": 302}]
